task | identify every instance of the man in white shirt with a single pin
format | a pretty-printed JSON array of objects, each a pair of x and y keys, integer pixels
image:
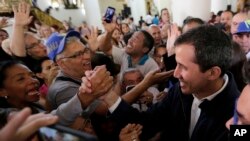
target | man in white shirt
[
  {"x": 134, "y": 55},
  {"x": 197, "y": 107}
]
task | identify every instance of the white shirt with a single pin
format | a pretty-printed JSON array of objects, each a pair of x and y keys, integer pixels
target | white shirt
[
  {"x": 196, "y": 111},
  {"x": 248, "y": 55}
]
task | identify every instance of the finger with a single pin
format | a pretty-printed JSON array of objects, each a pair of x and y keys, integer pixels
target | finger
[
  {"x": 109, "y": 84},
  {"x": 169, "y": 32},
  {"x": 156, "y": 71},
  {"x": 86, "y": 82},
  {"x": 30, "y": 19},
  {"x": 27, "y": 9},
  {"x": 33, "y": 117},
  {"x": 100, "y": 73},
  {"x": 15, "y": 123},
  {"x": 88, "y": 73},
  {"x": 165, "y": 74},
  {"x": 14, "y": 8},
  {"x": 84, "y": 89},
  {"x": 30, "y": 128},
  {"x": 19, "y": 7},
  {"x": 22, "y": 7},
  {"x": 105, "y": 86}
]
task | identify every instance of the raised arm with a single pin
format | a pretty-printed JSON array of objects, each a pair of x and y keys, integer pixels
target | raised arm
[
  {"x": 104, "y": 40},
  {"x": 21, "y": 19},
  {"x": 150, "y": 79}
]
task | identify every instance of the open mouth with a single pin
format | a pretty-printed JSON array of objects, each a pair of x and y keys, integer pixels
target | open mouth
[
  {"x": 129, "y": 46},
  {"x": 33, "y": 92},
  {"x": 87, "y": 65}
]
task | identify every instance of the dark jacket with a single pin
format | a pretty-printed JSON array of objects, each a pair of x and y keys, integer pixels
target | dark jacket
[{"x": 172, "y": 116}]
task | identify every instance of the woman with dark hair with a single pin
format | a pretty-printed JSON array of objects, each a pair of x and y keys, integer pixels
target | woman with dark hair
[{"x": 19, "y": 86}]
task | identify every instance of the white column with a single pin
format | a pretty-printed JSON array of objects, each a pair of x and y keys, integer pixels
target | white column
[
  {"x": 138, "y": 8},
  {"x": 195, "y": 8},
  {"x": 234, "y": 5},
  {"x": 160, "y": 4},
  {"x": 93, "y": 13},
  {"x": 217, "y": 5}
]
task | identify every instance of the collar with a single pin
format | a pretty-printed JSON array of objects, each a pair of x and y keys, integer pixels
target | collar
[
  {"x": 209, "y": 98},
  {"x": 142, "y": 61},
  {"x": 61, "y": 73}
]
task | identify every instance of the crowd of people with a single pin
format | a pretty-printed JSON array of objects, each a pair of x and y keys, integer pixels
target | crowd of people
[{"x": 152, "y": 81}]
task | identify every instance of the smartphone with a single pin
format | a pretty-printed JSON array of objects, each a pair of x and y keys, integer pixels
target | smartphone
[
  {"x": 110, "y": 12},
  {"x": 62, "y": 133},
  {"x": 129, "y": 87}
]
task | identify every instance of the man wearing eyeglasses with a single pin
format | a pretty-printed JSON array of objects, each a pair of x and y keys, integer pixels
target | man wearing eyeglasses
[
  {"x": 73, "y": 59},
  {"x": 243, "y": 37},
  {"x": 198, "y": 106},
  {"x": 25, "y": 46}
]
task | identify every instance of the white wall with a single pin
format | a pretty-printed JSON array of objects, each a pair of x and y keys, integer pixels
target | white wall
[
  {"x": 138, "y": 8},
  {"x": 160, "y": 4},
  {"x": 195, "y": 8},
  {"x": 118, "y": 5},
  {"x": 217, "y": 5},
  {"x": 62, "y": 14},
  {"x": 76, "y": 15},
  {"x": 43, "y": 4},
  {"x": 93, "y": 13}
]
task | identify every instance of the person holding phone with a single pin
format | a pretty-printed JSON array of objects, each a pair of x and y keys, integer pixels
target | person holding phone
[{"x": 135, "y": 53}]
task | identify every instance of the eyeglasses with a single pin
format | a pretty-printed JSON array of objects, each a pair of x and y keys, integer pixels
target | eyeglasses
[
  {"x": 4, "y": 35},
  {"x": 78, "y": 54},
  {"x": 236, "y": 116},
  {"x": 240, "y": 35},
  {"x": 33, "y": 45}
]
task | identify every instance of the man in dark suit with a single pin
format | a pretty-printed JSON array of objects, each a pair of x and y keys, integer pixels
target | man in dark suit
[{"x": 199, "y": 105}]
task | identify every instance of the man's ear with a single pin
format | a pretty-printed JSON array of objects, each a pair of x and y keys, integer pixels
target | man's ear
[
  {"x": 213, "y": 73},
  {"x": 60, "y": 63},
  {"x": 40, "y": 75},
  {"x": 145, "y": 49}
]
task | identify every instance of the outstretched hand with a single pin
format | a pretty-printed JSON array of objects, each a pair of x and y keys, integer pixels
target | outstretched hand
[
  {"x": 109, "y": 27},
  {"x": 130, "y": 133},
  {"x": 22, "y": 14},
  {"x": 155, "y": 77},
  {"x": 92, "y": 38},
  {"x": 3, "y": 22},
  {"x": 173, "y": 34},
  {"x": 23, "y": 125}
]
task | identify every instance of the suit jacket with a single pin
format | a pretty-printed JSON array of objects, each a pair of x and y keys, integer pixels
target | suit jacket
[{"x": 172, "y": 116}]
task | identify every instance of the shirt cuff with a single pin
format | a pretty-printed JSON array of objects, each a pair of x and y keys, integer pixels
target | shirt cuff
[{"x": 115, "y": 105}]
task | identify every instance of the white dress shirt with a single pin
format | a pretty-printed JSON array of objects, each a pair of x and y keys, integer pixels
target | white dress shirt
[{"x": 196, "y": 111}]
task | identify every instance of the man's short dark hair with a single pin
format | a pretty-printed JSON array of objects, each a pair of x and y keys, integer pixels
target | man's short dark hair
[
  {"x": 193, "y": 20},
  {"x": 212, "y": 47},
  {"x": 148, "y": 40}
]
